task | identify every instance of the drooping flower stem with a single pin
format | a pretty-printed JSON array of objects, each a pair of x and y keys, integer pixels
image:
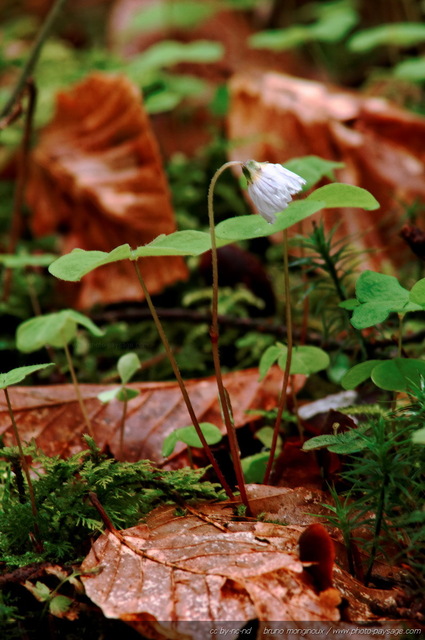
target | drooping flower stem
[
  {"x": 286, "y": 374},
  {"x": 181, "y": 383},
  {"x": 78, "y": 392},
  {"x": 25, "y": 468},
  {"x": 214, "y": 335}
]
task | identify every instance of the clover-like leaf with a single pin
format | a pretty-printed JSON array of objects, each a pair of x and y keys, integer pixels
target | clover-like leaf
[
  {"x": 54, "y": 329},
  {"x": 305, "y": 359},
  {"x": 20, "y": 373},
  {"x": 189, "y": 436},
  {"x": 399, "y": 374},
  {"x": 339, "y": 194},
  {"x": 379, "y": 295},
  {"x": 127, "y": 366},
  {"x": 358, "y": 374}
]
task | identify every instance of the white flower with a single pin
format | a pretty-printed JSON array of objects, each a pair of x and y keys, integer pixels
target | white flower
[{"x": 271, "y": 187}]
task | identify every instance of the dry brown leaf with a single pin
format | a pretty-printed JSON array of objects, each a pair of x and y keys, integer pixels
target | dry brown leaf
[
  {"x": 181, "y": 570},
  {"x": 97, "y": 180},
  {"x": 51, "y": 415},
  {"x": 278, "y": 117}
]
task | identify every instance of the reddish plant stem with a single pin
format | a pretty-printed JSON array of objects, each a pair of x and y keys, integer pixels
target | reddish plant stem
[
  {"x": 286, "y": 375},
  {"x": 214, "y": 335},
  {"x": 182, "y": 385}
]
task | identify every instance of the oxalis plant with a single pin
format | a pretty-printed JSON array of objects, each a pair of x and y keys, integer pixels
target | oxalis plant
[{"x": 271, "y": 187}]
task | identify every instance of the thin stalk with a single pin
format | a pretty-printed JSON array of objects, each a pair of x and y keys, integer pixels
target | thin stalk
[
  {"x": 182, "y": 385},
  {"x": 214, "y": 335},
  {"x": 378, "y": 525},
  {"x": 122, "y": 427},
  {"x": 78, "y": 392},
  {"x": 33, "y": 56},
  {"x": 25, "y": 468},
  {"x": 286, "y": 374}
]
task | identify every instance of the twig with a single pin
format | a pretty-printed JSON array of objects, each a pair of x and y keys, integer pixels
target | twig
[{"x": 33, "y": 57}]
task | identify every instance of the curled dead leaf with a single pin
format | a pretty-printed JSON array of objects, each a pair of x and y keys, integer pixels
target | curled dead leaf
[
  {"x": 278, "y": 117},
  {"x": 97, "y": 180},
  {"x": 174, "y": 571}
]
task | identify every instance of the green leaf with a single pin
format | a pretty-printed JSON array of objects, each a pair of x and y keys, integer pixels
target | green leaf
[
  {"x": 418, "y": 437},
  {"x": 379, "y": 296},
  {"x": 280, "y": 39},
  {"x": 186, "y": 14},
  {"x": 179, "y": 243},
  {"x": 417, "y": 293},
  {"x": 399, "y": 374},
  {"x": 20, "y": 373},
  {"x": 125, "y": 394},
  {"x": 358, "y": 374},
  {"x": 55, "y": 329},
  {"x": 11, "y": 261},
  {"x": 189, "y": 436},
  {"x": 313, "y": 169},
  {"x": 397, "y": 34},
  {"x": 108, "y": 395},
  {"x": 344, "y": 195},
  {"x": 254, "y": 467},
  {"x": 268, "y": 358},
  {"x": 305, "y": 359},
  {"x": 341, "y": 443},
  {"x": 349, "y": 304},
  {"x": 59, "y": 605},
  {"x": 254, "y": 226},
  {"x": 171, "y": 52},
  {"x": 127, "y": 366},
  {"x": 412, "y": 70},
  {"x": 73, "y": 266}
]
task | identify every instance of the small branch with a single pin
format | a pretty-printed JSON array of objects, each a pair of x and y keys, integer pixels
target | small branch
[{"x": 33, "y": 58}]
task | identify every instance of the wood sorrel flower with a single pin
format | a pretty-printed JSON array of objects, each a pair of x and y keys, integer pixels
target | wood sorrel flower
[{"x": 271, "y": 187}]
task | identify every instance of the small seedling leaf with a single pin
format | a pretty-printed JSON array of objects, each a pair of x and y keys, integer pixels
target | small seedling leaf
[
  {"x": 254, "y": 467},
  {"x": 189, "y": 436},
  {"x": 358, "y": 374},
  {"x": 341, "y": 443},
  {"x": 110, "y": 394},
  {"x": 407, "y": 34},
  {"x": 20, "y": 373},
  {"x": 54, "y": 329},
  {"x": 59, "y": 606},
  {"x": 339, "y": 194},
  {"x": 127, "y": 366},
  {"x": 399, "y": 374},
  {"x": 125, "y": 394},
  {"x": 305, "y": 360},
  {"x": 268, "y": 358}
]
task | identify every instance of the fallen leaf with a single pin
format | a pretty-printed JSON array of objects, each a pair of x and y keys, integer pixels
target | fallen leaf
[
  {"x": 97, "y": 180},
  {"x": 173, "y": 571},
  {"x": 51, "y": 415},
  {"x": 278, "y": 117}
]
